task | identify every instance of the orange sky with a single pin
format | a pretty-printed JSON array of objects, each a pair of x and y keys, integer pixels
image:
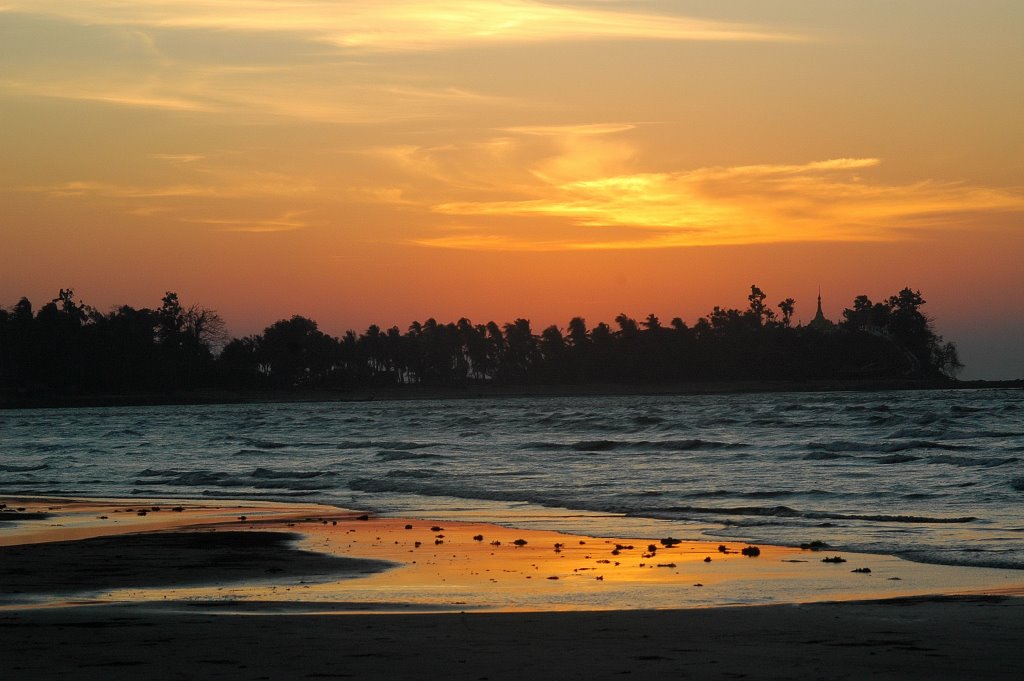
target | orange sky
[{"x": 382, "y": 162}]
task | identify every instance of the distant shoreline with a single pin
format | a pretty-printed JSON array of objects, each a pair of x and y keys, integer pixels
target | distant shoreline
[{"x": 491, "y": 391}]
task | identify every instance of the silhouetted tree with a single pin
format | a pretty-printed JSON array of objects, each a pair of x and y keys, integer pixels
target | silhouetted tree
[
  {"x": 69, "y": 348},
  {"x": 295, "y": 352},
  {"x": 787, "y": 307}
]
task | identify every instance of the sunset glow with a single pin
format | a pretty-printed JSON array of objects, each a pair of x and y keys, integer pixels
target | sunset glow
[{"x": 365, "y": 163}]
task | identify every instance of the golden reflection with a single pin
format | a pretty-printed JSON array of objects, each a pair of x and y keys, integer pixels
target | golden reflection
[{"x": 464, "y": 565}]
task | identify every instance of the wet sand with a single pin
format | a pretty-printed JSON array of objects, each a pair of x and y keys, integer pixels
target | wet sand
[
  {"x": 93, "y": 590},
  {"x": 931, "y": 639}
]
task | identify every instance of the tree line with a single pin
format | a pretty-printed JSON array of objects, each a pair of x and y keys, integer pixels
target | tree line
[{"x": 70, "y": 348}]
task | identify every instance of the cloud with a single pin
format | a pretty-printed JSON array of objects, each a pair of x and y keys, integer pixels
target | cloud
[
  {"x": 324, "y": 60},
  {"x": 207, "y": 195},
  {"x": 139, "y": 95},
  {"x": 403, "y": 24},
  {"x": 178, "y": 158},
  {"x": 827, "y": 200},
  {"x": 222, "y": 184},
  {"x": 308, "y": 92},
  {"x": 571, "y": 130},
  {"x": 287, "y": 222}
]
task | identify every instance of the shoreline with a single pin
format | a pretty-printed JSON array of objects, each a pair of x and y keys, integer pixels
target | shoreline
[
  {"x": 140, "y": 551},
  {"x": 264, "y": 596},
  {"x": 485, "y": 391}
]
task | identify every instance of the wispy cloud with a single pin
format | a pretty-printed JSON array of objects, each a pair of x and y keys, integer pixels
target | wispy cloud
[
  {"x": 598, "y": 208},
  {"x": 139, "y": 95},
  {"x": 287, "y": 222},
  {"x": 311, "y": 92},
  {"x": 404, "y": 24},
  {"x": 571, "y": 130},
  {"x": 234, "y": 185},
  {"x": 178, "y": 158},
  {"x": 80, "y": 188},
  {"x": 327, "y": 60},
  {"x": 229, "y": 199}
]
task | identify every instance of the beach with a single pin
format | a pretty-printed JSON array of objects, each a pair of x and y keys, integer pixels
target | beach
[{"x": 106, "y": 589}]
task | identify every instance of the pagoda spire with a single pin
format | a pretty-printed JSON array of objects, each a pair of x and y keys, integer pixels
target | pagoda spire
[{"x": 820, "y": 321}]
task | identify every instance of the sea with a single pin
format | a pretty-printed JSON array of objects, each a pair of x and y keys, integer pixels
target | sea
[{"x": 932, "y": 476}]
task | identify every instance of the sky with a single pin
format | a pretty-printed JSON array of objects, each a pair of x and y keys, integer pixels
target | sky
[{"x": 378, "y": 163}]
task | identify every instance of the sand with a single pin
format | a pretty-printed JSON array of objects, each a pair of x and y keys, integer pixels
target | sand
[{"x": 90, "y": 589}]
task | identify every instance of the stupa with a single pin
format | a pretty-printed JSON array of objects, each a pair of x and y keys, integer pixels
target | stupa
[{"x": 820, "y": 321}]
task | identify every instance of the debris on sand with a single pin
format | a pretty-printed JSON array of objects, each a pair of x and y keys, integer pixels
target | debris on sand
[{"x": 750, "y": 551}]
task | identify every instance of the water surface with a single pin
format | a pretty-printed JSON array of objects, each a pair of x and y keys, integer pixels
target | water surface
[{"x": 935, "y": 476}]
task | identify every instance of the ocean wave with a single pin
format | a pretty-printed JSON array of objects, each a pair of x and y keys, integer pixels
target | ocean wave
[
  {"x": 225, "y": 494},
  {"x": 27, "y": 480},
  {"x": 840, "y": 446},
  {"x": 441, "y": 489},
  {"x": 788, "y": 512},
  {"x": 778, "y": 511},
  {"x": 123, "y": 432},
  {"x": 410, "y": 474},
  {"x": 888, "y": 446},
  {"x": 825, "y": 456},
  {"x": 290, "y": 475},
  {"x": 917, "y": 433},
  {"x": 963, "y": 409},
  {"x": 46, "y": 446},
  {"x": 644, "y": 445},
  {"x": 15, "y": 468},
  {"x": 260, "y": 478},
  {"x": 382, "y": 444},
  {"x": 400, "y": 455},
  {"x": 251, "y": 452},
  {"x": 925, "y": 444},
  {"x": 897, "y": 458},
  {"x": 718, "y": 421},
  {"x": 293, "y": 484},
  {"x": 268, "y": 444},
  {"x": 759, "y": 494},
  {"x": 1006, "y": 559},
  {"x": 730, "y": 522},
  {"x": 962, "y": 461},
  {"x": 596, "y": 445},
  {"x": 885, "y": 408},
  {"x": 196, "y": 478}
]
